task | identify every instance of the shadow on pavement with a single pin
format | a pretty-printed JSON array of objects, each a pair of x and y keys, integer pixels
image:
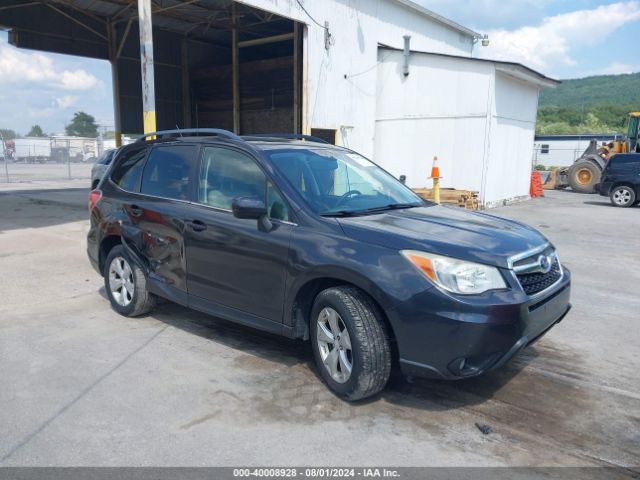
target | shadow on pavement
[{"x": 42, "y": 208}]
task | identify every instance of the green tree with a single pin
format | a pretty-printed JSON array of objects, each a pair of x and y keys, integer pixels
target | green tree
[
  {"x": 36, "y": 131},
  {"x": 82, "y": 125},
  {"x": 7, "y": 133}
]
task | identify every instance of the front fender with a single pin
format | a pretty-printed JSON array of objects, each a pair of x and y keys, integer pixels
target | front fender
[{"x": 381, "y": 272}]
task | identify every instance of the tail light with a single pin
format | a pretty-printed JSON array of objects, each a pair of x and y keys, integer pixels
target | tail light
[{"x": 94, "y": 196}]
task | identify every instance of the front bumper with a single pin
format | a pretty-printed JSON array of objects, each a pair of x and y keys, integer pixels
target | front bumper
[{"x": 439, "y": 336}]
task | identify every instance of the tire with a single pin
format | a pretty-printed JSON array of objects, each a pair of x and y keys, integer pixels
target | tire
[
  {"x": 583, "y": 176},
  {"x": 622, "y": 196},
  {"x": 367, "y": 336},
  {"x": 126, "y": 303}
]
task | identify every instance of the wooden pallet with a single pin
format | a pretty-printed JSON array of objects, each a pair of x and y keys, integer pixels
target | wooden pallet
[{"x": 462, "y": 198}]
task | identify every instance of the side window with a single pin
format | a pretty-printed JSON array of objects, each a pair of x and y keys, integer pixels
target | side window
[
  {"x": 168, "y": 171},
  {"x": 544, "y": 148},
  {"x": 128, "y": 172},
  {"x": 227, "y": 174},
  {"x": 275, "y": 203}
]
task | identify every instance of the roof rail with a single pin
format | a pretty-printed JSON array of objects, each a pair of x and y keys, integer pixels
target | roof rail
[
  {"x": 189, "y": 132},
  {"x": 290, "y": 136}
]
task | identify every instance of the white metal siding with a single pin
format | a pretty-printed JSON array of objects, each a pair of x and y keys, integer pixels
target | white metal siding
[
  {"x": 439, "y": 109},
  {"x": 478, "y": 122},
  {"x": 513, "y": 125},
  {"x": 358, "y": 26},
  {"x": 562, "y": 153}
]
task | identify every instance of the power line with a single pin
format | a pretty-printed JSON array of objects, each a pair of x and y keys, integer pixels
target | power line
[{"x": 309, "y": 15}]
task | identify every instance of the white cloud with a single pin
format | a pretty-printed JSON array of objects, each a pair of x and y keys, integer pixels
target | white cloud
[
  {"x": 39, "y": 113},
  {"x": 30, "y": 67},
  {"x": 489, "y": 13},
  {"x": 77, "y": 80},
  {"x": 66, "y": 101},
  {"x": 616, "y": 68},
  {"x": 551, "y": 42}
]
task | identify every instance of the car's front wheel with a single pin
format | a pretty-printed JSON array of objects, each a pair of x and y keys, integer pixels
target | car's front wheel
[
  {"x": 350, "y": 342},
  {"x": 623, "y": 196},
  {"x": 126, "y": 285}
]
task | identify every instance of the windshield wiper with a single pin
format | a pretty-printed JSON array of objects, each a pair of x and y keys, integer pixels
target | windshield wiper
[
  {"x": 391, "y": 206},
  {"x": 341, "y": 213},
  {"x": 365, "y": 211}
]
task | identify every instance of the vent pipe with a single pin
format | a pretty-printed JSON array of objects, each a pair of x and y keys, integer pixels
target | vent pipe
[{"x": 406, "y": 53}]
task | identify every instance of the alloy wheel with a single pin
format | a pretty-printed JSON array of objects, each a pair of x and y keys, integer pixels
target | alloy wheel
[
  {"x": 622, "y": 196},
  {"x": 121, "y": 281},
  {"x": 334, "y": 345}
]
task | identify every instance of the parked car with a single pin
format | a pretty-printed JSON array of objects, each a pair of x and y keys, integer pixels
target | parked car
[
  {"x": 315, "y": 242},
  {"x": 621, "y": 179},
  {"x": 101, "y": 166}
]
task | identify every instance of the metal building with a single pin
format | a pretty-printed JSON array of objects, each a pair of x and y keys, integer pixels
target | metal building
[
  {"x": 346, "y": 70},
  {"x": 563, "y": 150}
]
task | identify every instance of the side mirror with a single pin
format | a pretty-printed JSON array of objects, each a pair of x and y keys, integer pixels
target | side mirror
[{"x": 246, "y": 207}]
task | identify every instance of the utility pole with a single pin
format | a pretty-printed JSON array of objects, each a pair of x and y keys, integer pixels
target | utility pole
[{"x": 146, "y": 66}]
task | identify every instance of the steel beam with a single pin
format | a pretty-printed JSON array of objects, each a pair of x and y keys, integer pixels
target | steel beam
[
  {"x": 115, "y": 82},
  {"x": 75, "y": 20},
  {"x": 186, "y": 85},
  {"x": 146, "y": 66},
  {"x": 296, "y": 77},
  {"x": 235, "y": 69},
  {"x": 265, "y": 40}
]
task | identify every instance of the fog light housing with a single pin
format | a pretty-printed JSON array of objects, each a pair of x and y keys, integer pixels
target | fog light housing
[{"x": 473, "y": 365}]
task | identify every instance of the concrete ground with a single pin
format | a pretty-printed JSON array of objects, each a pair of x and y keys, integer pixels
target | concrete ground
[{"x": 82, "y": 385}]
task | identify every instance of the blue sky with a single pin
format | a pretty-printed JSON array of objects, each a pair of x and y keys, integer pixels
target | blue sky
[{"x": 560, "y": 38}]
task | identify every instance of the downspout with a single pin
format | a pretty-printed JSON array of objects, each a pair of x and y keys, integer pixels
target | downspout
[{"x": 406, "y": 53}]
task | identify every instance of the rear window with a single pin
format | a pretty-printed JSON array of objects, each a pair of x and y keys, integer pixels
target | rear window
[
  {"x": 106, "y": 157},
  {"x": 168, "y": 171},
  {"x": 128, "y": 171}
]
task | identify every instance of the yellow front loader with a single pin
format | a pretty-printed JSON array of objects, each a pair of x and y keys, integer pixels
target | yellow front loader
[{"x": 585, "y": 172}]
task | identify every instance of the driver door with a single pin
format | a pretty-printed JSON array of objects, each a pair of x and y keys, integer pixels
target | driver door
[{"x": 231, "y": 263}]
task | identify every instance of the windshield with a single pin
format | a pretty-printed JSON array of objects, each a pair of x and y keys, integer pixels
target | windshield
[{"x": 340, "y": 183}]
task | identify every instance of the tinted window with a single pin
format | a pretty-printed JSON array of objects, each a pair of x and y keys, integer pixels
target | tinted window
[
  {"x": 227, "y": 174},
  {"x": 128, "y": 171},
  {"x": 168, "y": 171},
  {"x": 106, "y": 157}
]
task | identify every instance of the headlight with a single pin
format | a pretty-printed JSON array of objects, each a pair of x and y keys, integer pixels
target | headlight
[{"x": 457, "y": 276}]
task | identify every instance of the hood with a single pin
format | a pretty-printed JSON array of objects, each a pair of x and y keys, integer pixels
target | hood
[{"x": 454, "y": 232}]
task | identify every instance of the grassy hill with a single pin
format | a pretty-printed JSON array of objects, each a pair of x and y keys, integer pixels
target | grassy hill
[{"x": 589, "y": 105}]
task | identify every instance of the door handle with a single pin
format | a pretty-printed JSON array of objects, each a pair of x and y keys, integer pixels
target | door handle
[
  {"x": 197, "y": 225},
  {"x": 135, "y": 210}
]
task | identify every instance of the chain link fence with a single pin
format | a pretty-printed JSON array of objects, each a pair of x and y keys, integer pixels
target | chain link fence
[{"x": 34, "y": 159}]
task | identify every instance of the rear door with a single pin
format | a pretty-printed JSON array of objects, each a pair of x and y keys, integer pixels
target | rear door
[
  {"x": 235, "y": 268},
  {"x": 157, "y": 216}
]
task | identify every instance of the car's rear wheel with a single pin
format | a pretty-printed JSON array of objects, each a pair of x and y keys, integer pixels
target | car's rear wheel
[
  {"x": 623, "y": 196},
  {"x": 350, "y": 342},
  {"x": 126, "y": 284}
]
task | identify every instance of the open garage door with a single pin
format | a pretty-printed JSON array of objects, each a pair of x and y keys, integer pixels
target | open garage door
[{"x": 217, "y": 63}]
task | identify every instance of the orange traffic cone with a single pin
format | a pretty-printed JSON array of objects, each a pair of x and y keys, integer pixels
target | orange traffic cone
[
  {"x": 536, "y": 185},
  {"x": 435, "y": 176}
]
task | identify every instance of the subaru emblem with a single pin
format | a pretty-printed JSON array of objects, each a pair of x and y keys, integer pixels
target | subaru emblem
[{"x": 545, "y": 263}]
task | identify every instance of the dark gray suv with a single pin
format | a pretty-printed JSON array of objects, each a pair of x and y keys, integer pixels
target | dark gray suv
[{"x": 297, "y": 237}]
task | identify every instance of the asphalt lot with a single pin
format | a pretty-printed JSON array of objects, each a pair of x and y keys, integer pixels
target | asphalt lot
[{"x": 82, "y": 385}]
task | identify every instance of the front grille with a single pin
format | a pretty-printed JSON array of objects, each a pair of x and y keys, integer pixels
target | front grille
[{"x": 536, "y": 282}]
